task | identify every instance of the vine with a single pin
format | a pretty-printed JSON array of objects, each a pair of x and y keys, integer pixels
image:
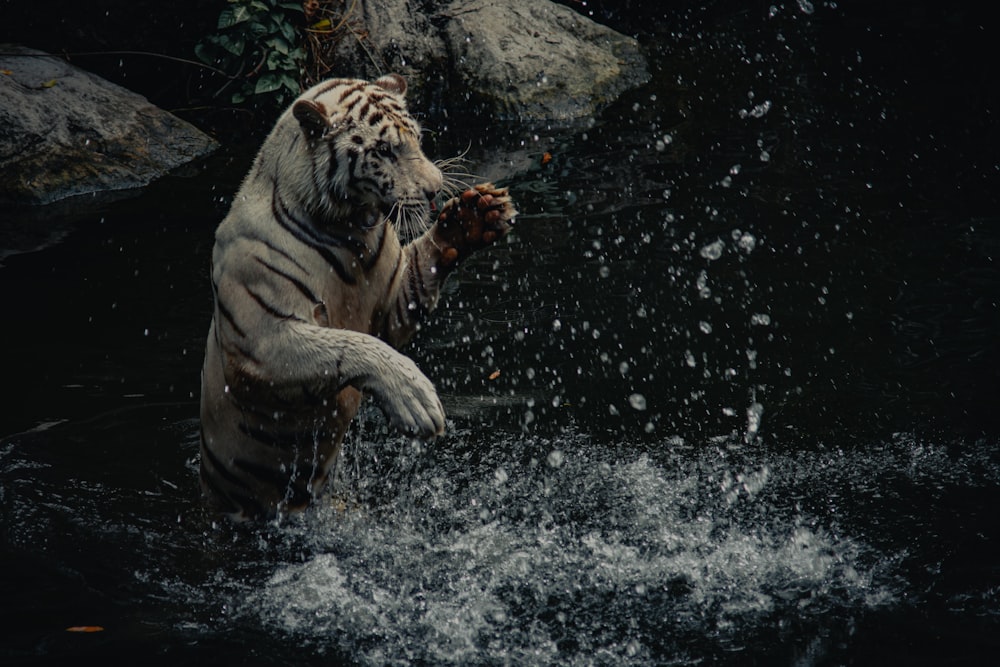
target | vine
[{"x": 273, "y": 49}]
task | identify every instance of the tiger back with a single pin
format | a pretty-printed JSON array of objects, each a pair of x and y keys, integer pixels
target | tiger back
[{"x": 314, "y": 292}]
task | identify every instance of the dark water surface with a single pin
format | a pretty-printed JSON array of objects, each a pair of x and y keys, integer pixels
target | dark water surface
[{"x": 746, "y": 411}]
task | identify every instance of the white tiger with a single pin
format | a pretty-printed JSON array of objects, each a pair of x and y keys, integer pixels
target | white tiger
[{"x": 314, "y": 293}]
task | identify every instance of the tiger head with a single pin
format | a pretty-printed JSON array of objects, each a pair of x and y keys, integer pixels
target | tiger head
[{"x": 365, "y": 150}]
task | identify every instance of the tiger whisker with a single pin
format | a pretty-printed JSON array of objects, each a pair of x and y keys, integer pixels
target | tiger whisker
[
  {"x": 451, "y": 186},
  {"x": 457, "y": 158}
]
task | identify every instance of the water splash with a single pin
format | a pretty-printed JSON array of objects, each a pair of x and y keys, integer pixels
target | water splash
[
  {"x": 513, "y": 549},
  {"x": 549, "y": 562}
]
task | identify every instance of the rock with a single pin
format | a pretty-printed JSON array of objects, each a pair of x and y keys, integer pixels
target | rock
[
  {"x": 524, "y": 59},
  {"x": 65, "y": 132},
  {"x": 538, "y": 60},
  {"x": 405, "y": 39}
]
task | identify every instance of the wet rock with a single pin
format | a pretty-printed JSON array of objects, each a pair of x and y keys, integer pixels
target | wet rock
[
  {"x": 523, "y": 59},
  {"x": 65, "y": 132},
  {"x": 539, "y": 60}
]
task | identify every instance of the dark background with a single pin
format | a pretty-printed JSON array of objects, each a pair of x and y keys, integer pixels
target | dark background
[{"x": 879, "y": 201}]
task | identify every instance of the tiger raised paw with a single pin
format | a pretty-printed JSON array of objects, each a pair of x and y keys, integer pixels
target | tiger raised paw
[
  {"x": 478, "y": 218},
  {"x": 315, "y": 292}
]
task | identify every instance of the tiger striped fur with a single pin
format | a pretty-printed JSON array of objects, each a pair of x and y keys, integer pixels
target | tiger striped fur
[{"x": 314, "y": 292}]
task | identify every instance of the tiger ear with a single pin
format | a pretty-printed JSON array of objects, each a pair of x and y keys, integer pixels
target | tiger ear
[
  {"x": 312, "y": 117},
  {"x": 394, "y": 83}
]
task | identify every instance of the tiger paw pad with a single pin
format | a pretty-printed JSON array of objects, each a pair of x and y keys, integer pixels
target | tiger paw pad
[{"x": 477, "y": 218}]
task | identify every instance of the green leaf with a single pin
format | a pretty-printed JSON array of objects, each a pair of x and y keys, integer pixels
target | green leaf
[
  {"x": 235, "y": 45},
  {"x": 258, "y": 31},
  {"x": 290, "y": 83},
  {"x": 278, "y": 44},
  {"x": 206, "y": 52},
  {"x": 231, "y": 16},
  {"x": 288, "y": 30},
  {"x": 275, "y": 61},
  {"x": 267, "y": 83}
]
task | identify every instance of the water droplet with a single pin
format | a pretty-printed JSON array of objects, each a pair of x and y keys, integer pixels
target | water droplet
[
  {"x": 705, "y": 327},
  {"x": 760, "y": 319},
  {"x": 754, "y": 413},
  {"x": 701, "y": 284},
  {"x": 555, "y": 459},
  {"x": 637, "y": 401},
  {"x": 761, "y": 110},
  {"x": 747, "y": 242},
  {"x": 712, "y": 251}
]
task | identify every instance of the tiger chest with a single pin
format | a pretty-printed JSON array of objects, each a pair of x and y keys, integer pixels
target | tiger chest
[{"x": 358, "y": 304}]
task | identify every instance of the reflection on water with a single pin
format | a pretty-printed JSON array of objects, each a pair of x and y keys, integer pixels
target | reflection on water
[{"x": 728, "y": 395}]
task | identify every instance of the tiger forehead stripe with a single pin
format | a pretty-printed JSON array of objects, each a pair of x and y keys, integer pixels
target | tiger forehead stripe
[
  {"x": 349, "y": 91},
  {"x": 328, "y": 86}
]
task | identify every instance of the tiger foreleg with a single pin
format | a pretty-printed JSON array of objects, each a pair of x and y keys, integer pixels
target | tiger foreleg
[
  {"x": 477, "y": 218},
  {"x": 322, "y": 361}
]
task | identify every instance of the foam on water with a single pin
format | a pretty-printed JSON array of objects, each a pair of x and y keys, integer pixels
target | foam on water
[{"x": 597, "y": 558}]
